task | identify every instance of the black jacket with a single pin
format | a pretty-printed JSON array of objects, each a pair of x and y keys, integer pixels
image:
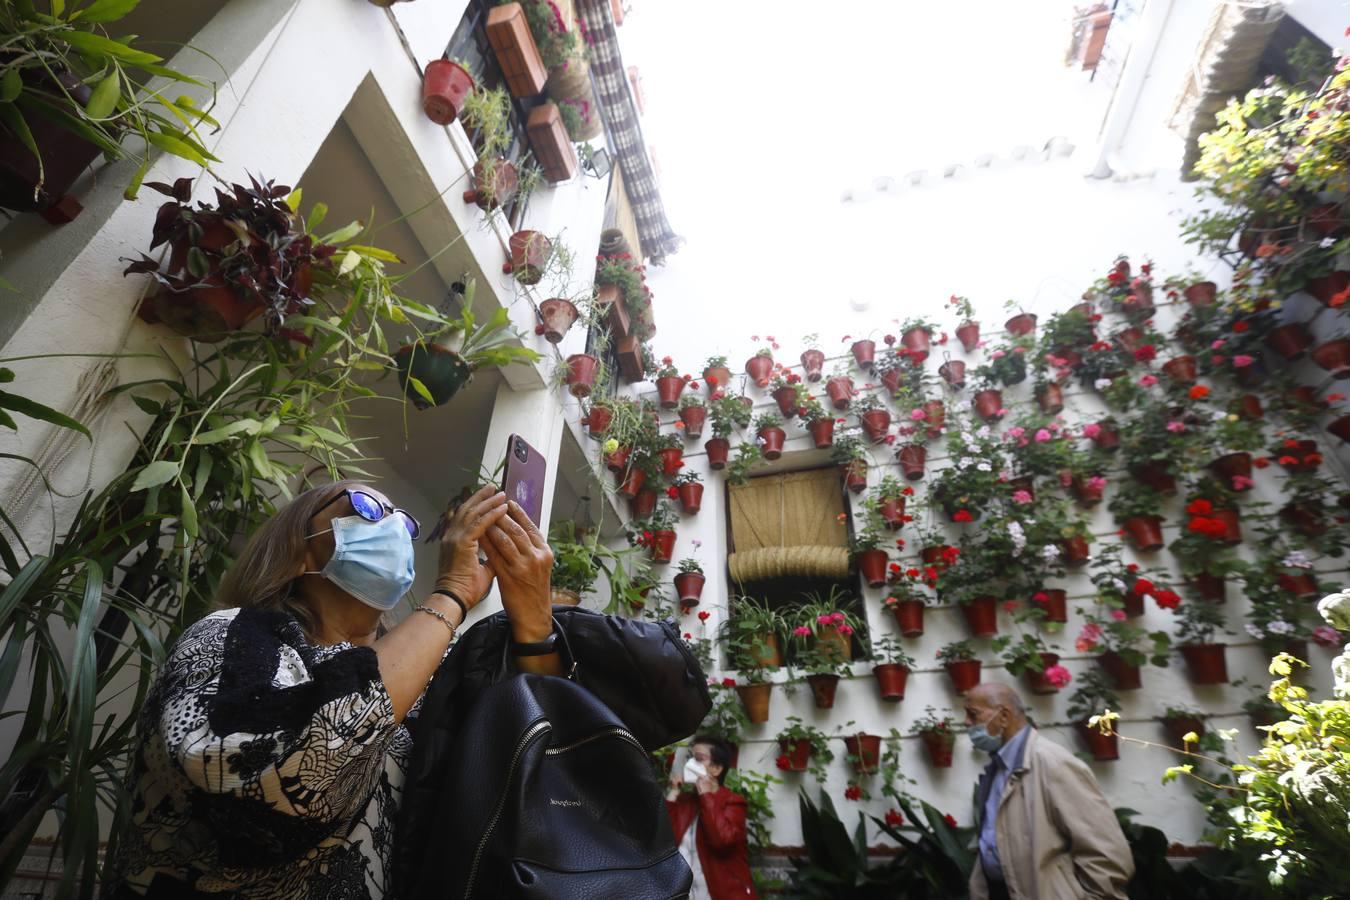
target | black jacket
[{"x": 641, "y": 670}]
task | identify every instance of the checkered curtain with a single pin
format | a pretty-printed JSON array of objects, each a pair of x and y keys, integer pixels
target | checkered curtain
[{"x": 625, "y": 133}]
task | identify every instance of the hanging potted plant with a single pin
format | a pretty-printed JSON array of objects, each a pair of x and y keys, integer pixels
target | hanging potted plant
[
  {"x": 434, "y": 368},
  {"x": 754, "y": 691},
  {"x": 1206, "y": 662},
  {"x": 656, "y": 533},
  {"x": 558, "y": 315},
  {"x": 913, "y": 459},
  {"x": 890, "y": 497},
  {"x": 864, "y": 353},
  {"x": 688, "y": 489},
  {"x": 840, "y": 390},
  {"x": 532, "y": 255},
  {"x": 938, "y": 736},
  {"x": 689, "y": 582},
  {"x": 760, "y": 366},
  {"x": 445, "y": 84},
  {"x": 669, "y": 384},
  {"x": 865, "y": 548},
  {"x": 874, "y": 417},
  {"x": 1087, "y": 706},
  {"x": 916, "y": 336},
  {"x": 753, "y": 633},
  {"x": 693, "y": 416},
  {"x": 1104, "y": 433},
  {"x": 962, "y": 665},
  {"x": 823, "y": 634},
  {"x": 1023, "y": 323},
  {"x": 953, "y": 371},
  {"x": 864, "y": 751},
  {"x": 849, "y": 454},
  {"x": 769, "y": 435},
  {"x": 980, "y": 611},
  {"x": 968, "y": 332},
  {"x": 787, "y": 391},
  {"x": 579, "y": 373},
  {"x": 906, "y": 601},
  {"x": 1333, "y": 356},
  {"x": 1121, "y": 648},
  {"x": 1136, "y": 507},
  {"x": 813, "y": 359},
  {"x": 1075, "y": 538},
  {"x": 716, "y": 375},
  {"x": 803, "y": 748},
  {"x": 891, "y": 669},
  {"x": 1029, "y": 658},
  {"x": 817, "y": 420},
  {"x": 576, "y": 563},
  {"x": 988, "y": 398},
  {"x": 726, "y": 413}
]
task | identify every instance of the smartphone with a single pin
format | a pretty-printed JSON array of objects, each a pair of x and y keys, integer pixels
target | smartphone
[{"x": 523, "y": 480}]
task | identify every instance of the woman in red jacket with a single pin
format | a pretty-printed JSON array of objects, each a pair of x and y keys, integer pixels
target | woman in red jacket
[{"x": 709, "y": 824}]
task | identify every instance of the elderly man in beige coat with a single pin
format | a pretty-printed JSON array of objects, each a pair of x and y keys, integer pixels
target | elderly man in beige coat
[{"x": 1045, "y": 830}]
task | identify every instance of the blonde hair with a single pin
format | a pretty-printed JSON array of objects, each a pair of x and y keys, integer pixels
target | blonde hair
[{"x": 263, "y": 577}]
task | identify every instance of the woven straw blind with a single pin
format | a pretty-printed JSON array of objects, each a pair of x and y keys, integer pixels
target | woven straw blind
[{"x": 788, "y": 524}]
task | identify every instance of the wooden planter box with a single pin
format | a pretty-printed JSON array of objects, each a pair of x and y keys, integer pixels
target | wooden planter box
[
  {"x": 552, "y": 147},
  {"x": 517, "y": 54},
  {"x": 629, "y": 351}
]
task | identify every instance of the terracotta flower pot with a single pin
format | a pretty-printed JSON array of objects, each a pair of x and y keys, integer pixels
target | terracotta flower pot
[
  {"x": 759, "y": 368},
  {"x": 668, "y": 390},
  {"x": 618, "y": 460},
  {"x": 1340, "y": 428},
  {"x": 1202, "y": 293},
  {"x": 1132, "y": 605},
  {"x": 1051, "y": 398},
  {"x": 691, "y": 497},
  {"x": 891, "y": 379},
  {"x": 1145, "y": 532},
  {"x": 442, "y": 371},
  {"x": 1156, "y": 476},
  {"x": 1232, "y": 525},
  {"x": 1020, "y": 324},
  {"x": 716, "y": 378},
  {"x": 1103, "y": 747},
  {"x": 968, "y": 333},
  {"x": 1334, "y": 356},
  {"x": 823, "y": 688},
  {"x": 772, "y": 442},
  {"x": 1072, "y": 358},
  {"x": 874, "y": 423},
  {"x": 891, "y": 680},
  {"x": 643, "y": 503},
  {"x": 1249, "y": 407},
  {"x": 855, "y": 475},
  {"x": 953, "y": 371},
  {"x": 445, "y": 84},
  {"x": 840, "y": 391},
  {"x": 917, "y": 342},
  {"x": 872, "y": 567},
  {"x": 769, "y": 654},
  {"x": 909, "y": 617},
  {"x": 530, "y": 252},
  {"x": 717, "y": 449},
  {"x": 563, "y": 597},
  {"x": 689, "y": 587},
  {"x": 755, "y": 699},
  {"x": 981, "y": 615},
  {"x": 1301, "y": 586},
  {"x": 1036, "y": 682},
  {"x": 786, "y": 398},
  {"x": 1304, "y": 518},
  {"x": 1126, "y": 677},
  {"x": 939, "y": 746},
  {"x": 1107, "y": 438},
  {"x": 1180, "y": 369},
  {"x": 1289, "y": 340},
  {"x": 558, "y": 315},
  {"x": 663, "y": 546},
  {"x": 892, "y": 511},
  {"x": 1233, "y": 466},
  {"x": 865, "y": 750},
  {"x": 207, "y": 313},
  {"x": 1211, "y": 588},
  {"x": 812, "y": 363},
  {"x": 1129, "y": 339},
  {"x": 597, "y": 420},
  {"x": 932, "y": 556},
  {"x": 494, "y": 183},
  {"x": 798, "y": 754},
  {"x": 964, "y": 673},
  {"x": 822, "y": 432},
  {"x": 1206, "y": 663},
  {"x": 1327, "y": 287},
  {"x": 1177, "y": 727},
  {"x": 1085, "y": 493},
  {"x": 1055, "y": 605},
  {"x": 935, "y": 417},
  {"x": 988, "y": 403},
  {"x": 864, "y": 353},
  {"x": 912, "y": 459},
  {"x": 630, "y": 482},
  {"x": 672, "y": 459},
  {"x": 1138, "y": 304},
  {"x": 1075, "y": 551},
  {"x": 694, "y": 418}
]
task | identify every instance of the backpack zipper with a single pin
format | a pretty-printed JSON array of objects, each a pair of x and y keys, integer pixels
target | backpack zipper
[
  {"x": 534, "y": 731},
  {"x": 623, "y": 733}
]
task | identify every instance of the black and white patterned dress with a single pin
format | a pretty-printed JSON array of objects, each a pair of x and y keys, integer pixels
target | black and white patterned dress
[{"x": 267, "y": 767}]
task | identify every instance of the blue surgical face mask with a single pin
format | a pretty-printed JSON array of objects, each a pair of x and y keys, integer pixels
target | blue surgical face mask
[
  {"x": 372, "y": 561},
  {"x": 979, "y": 736}
]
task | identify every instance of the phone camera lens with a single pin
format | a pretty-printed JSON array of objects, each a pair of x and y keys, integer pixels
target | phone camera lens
[{"x": 520, "y": 451}]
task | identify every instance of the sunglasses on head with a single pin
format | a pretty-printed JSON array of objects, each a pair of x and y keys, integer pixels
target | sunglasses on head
[{"x": 372, "y": 509}]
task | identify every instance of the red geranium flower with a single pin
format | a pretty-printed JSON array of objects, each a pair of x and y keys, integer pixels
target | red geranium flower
[
  {"x": 951, "y": 819},
  {"x": 1143, "y": 587},
  {"x": 703, "y": 615},
  {"x": 1199, "y": 392},
  {"x": 1146, "y": 353},
  {"x": 894, "y": 819},
  {"x": 852, "y": 792},
  {"x": 728, "y": 682},
  {"x": 1241, "y": 326},
  {"x": 1261, "y": 461},
  {"x": 783, "y": 762},
  {"x": 672, "y": 492},
  {"x": 962, "y": 515},
  {"x": 1167, "y": 599},
  {"x": 1200, "y": 508}
]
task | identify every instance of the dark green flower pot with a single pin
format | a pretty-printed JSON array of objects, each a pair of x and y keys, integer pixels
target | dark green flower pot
[{"x": 442, "y": 372}]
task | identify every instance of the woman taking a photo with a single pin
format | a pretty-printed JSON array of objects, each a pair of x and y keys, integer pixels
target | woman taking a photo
[{"x": 272, "y": 746}]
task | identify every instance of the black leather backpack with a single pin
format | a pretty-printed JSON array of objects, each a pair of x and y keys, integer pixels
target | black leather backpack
[{"x": 530, "y": 786}]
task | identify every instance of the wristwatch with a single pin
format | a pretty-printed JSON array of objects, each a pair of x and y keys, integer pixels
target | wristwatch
[{"x": 537, "y": 648}]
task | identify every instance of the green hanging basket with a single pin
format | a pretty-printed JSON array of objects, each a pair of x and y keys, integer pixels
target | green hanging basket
[{"x": 443, "y": 372}]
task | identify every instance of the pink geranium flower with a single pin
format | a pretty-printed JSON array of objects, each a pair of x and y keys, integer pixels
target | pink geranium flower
[
  {"x": 1148, "y": 381},
  {"x": 1176, "y": 427},
  {"x": 1042, "y": 435},
  {"x": 1022, "y": 498},
  {"x": 1242, "y": 361},
  {"x": 1058, "y": 676},
  {"x": 801, "y": 631},
  {"x": 1096, "y": 483},
  {"x": 917, "y": 415},
  {"x": 1091, "y": 430}
]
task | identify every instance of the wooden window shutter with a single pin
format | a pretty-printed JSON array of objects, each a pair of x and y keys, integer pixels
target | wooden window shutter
[{"x": 785, "y": 525}]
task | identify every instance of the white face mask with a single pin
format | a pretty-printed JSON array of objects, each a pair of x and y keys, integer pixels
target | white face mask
[{"x": 693, "y": 770}]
